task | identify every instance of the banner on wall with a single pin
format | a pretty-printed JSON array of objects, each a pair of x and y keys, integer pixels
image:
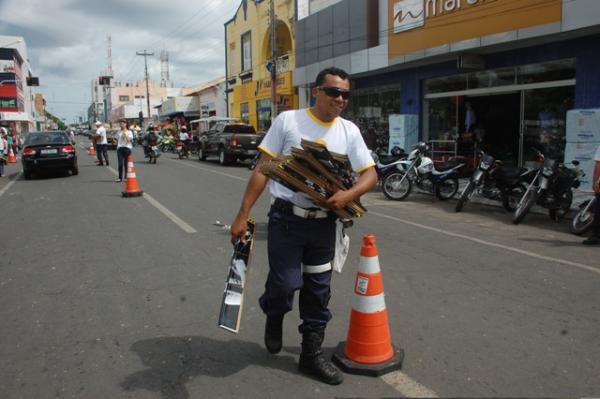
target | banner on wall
[{"x": 404, "y": 131}]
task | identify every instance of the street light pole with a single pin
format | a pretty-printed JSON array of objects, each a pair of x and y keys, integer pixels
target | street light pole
[
  {"x": 273, "y": 61},
  {"x": 145, "y": 55}
]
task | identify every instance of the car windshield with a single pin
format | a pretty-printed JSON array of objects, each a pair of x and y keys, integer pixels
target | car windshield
[
  {"x": 239, "y": 129},
  {"x": 47, "y": 138}
]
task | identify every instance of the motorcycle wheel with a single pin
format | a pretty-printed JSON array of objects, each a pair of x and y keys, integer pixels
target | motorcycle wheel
[
  {"x": 566, "y": 199},
  {"x": 526, "y": 205},
  {"x": 511, "y": 200},
  {"x": 447, "y": 189},
  {"x": 583, "y": 220},
  {"x": 464, "y": 197},
  {"x": 201, "y": 154},
  {"x": 180, "y": 154},
  {"x": 394, "y": 187}
]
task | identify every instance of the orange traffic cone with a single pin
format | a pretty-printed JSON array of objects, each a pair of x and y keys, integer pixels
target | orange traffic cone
[
  {"x": 11, "y": 155},
  {"x": 91, "y": 150},
  {"x": 132, "y": 188},
  {"x": 368, "y": 349}
]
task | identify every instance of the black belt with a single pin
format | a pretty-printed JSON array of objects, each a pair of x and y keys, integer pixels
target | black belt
[{"x": 287, "y": 207}]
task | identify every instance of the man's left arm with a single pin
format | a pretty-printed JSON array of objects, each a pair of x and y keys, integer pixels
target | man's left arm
[
  {"x": 596, "y": 182},
  {"x": 366, "y": 181}
]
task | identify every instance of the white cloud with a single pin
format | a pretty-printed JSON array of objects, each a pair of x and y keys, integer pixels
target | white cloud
[{"x": 66, "y": 42}]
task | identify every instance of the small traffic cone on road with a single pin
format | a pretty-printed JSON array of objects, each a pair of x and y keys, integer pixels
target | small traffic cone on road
[
  {"x": 11, "y": 156},
  {"x": 132, "y": 188},
  {"x": 368, "y": 349},
  {"x": 91, "y": 150}
]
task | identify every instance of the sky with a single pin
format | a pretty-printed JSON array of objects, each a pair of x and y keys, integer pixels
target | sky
[{"x": 67, "y": 43}]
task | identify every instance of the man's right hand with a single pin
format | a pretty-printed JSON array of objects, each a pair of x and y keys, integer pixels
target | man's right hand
[
  {"x": 238, "y": 229},
  {"x": 596, "y": 187}
]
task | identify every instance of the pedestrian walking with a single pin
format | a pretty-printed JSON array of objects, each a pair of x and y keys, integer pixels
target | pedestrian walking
[
  {"x": 101, "y": 144},
  {"x": 301, "y": 235},
  {"x": 594, "y": 239},
  {"x": 124, "y": 146},
  {"x": 3, "y": 150}
]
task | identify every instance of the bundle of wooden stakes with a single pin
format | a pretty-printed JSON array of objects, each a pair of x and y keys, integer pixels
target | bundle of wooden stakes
[{"x": 317, "y": 172}]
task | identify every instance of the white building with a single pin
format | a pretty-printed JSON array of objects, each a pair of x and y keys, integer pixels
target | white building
[{"x": 16, "y": 98}]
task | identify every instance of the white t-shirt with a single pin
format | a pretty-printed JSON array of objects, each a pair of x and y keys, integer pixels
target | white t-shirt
[
  {"x": 183, "y": 136},
  {"x": 340, "y": 135},
  {"x": 122, "y": 142},
  {"x": 102, "y": 132}
]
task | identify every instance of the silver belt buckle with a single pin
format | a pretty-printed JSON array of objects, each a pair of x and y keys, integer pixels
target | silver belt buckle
[{"x": 311, "y": 214}]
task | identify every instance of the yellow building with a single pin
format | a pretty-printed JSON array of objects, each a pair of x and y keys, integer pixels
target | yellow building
[{"x": 248, "y": 56}]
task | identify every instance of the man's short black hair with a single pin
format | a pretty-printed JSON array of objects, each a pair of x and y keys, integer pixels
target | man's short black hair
[{"x": 330, "y": 71}]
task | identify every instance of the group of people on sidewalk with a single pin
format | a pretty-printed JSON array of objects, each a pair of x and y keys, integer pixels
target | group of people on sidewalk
[
  {"x": 9, "y": 140},
  {"x": 124, "y": 147}
]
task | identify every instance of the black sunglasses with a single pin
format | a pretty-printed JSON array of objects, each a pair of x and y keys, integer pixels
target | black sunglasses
[{"x": 335, "y": 92}]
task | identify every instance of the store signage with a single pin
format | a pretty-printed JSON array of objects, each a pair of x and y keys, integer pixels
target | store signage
[
  {"x": 411, "y": 14},
  {"x": 284, "y": 83},
  {"x": 422, "y": 24}
]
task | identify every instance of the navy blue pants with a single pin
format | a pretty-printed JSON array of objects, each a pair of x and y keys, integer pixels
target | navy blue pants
[
  {"x": 300, "y": 253},
  {"x": 122, "y": 155}
]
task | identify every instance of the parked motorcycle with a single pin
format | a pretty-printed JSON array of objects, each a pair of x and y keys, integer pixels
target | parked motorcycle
[
  {"x": 384, "y": 163},
  {"x": 440, "y": 179},
  {"x": 584, "y": 218},
  {"x": 495, "y": 181},
  {"x": 551, "y": 188}
]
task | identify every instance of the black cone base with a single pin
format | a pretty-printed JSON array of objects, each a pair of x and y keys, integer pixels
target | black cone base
[
  {"x": 371, "y": 370},
  {"x": 134, "y": 194}
]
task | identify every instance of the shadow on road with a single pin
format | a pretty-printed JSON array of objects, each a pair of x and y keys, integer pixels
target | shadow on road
[{"x": 173, "y": 361}]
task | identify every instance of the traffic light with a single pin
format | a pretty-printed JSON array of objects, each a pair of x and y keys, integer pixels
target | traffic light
[{"x": 33, "y": 81}]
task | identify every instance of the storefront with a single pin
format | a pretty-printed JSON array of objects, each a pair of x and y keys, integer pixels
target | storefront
[
  {"x": 370, "y": 108},
  {"x": 499, "y": 84},
  {"x": 506, "y": 112}
]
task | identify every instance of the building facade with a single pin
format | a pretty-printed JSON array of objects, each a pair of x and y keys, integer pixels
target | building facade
[
  {"x": 248, "y": 46},
  {"x": 16, "y": 98},
  {"x": 499, "y": 75},
  {"x": 211, "y": 97}
]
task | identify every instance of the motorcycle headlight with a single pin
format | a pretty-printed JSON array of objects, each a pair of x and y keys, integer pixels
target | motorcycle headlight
[
  {"x": 486, "y": 162},
  {"x": 549, "y": 167}
]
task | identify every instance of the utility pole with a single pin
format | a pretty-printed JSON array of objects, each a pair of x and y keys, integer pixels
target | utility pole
[
  {"x": 146, "y": 55},
  {"x": 273, "y": 61}
]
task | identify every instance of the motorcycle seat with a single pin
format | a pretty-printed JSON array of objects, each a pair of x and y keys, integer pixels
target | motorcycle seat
[
  {"x": 444, "y": 166},
  {"x": 509, "y": 172},
  {"x": 388, "y": 159}
]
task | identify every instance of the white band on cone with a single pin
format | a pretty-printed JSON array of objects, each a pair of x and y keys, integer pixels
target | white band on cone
[
  {"x": 369, "y": 265},
  {"x": 130, "y": 175},
  {"x": 369, "y": 304}
]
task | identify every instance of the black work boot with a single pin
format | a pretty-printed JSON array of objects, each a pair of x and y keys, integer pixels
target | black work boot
[
  {"x": 314, "y": 363},
  {"x": 273, "y": 333}
]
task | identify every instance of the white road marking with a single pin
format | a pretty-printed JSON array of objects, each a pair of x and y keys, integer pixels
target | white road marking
[
  {"x": 9, "y": 184},
  {"x": 407, "y": 386},
  {"x": 491, "y": 244},
  {"x": 210, "y": 170},
  {"x": 164, "y": 210}
]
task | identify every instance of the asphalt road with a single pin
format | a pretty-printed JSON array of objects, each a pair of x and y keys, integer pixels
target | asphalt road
[{"x": 108, "y": 297}]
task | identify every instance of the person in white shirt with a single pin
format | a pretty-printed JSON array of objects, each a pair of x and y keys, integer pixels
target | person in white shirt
[
  {"x": 101, "y": 144},
  {"x": 594, "y": 239},
  {"x": 184, "y": 138},
  {"x": 301, "y": 235},
  {"x": 124, "y": 146}
]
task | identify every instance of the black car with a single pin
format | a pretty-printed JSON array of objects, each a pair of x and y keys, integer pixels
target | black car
[{"x": 44, "y": 151}]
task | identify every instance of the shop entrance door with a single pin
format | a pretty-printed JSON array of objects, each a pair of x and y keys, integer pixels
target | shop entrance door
[{"x": 492, "y": 123}]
